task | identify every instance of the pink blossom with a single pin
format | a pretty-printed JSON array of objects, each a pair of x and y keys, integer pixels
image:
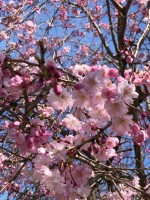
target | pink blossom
[
  {"x": 46, "y": 112},
  {"x": 80, "y": 70},
  {"x": 60, "y": 102},
  {"x": 100, "y": 113},
  {"x": 80, "y": 98},
  {"x": 127, "y": 91},
  {"x": 121, "y": 124},
  {"x": 2, "y": 158},
  {"x": 91, "y": 82},
  {"x": 96, "y": 99},
  {"x": 78, "y": 139},
  {"x": 113, "y": 73},
  {"x": 85, "y": 49},
  {"x": 57, "y": 89},
  {"x": 56, "y": 151},
  {"x": 51, "y": 65},
  {"x": 111, "y": 142},
  {"x": 63, "y": 13},
  {"x": 71, "y": 122},
  {"x": 105, "y": 154},
  {"x": 41, "y": 150},
  {"x": 16, "y": 81},
  {"x": 81, "y": 174},
  {"x": 37, "y": 122},
  {"x": 140, "y": 136},
  {"x": 29, "y": 26},
  {"x": 116, "y": 108},
  {"x": 91, "y": 125},
  {"x": 109, "y": 92},
  {"x": 134, "y": 128}
]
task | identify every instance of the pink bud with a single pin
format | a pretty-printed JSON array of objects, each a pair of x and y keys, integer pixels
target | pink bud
[
  {"x": 140, "y": 137},
  {"x": 80, "y": 73},
  {"x": 122, "y": 51},
  {"x": 126, "y": 53},
  {"x": 70, "y": 151},
  {"x": 138, "y": 30},
  {"x": 113, "y": 73},
  {"x": 78, "y": 86},
  {"x": 57, "y": 89},
  {"x": 94, "y": 68},
  {"x": 125, "y": 39},
  {"x": 26, "y": 81},
  {"x": 95, "y": 148},
  {"x": 103, "y": 140},
  {"x": 90, "y": 149},
  {"x": 50, "y": 66},
  {"x": 129, "y": 59},
  {"x": 134, "y": 128},
  {"x": 143, "y": 114},
  {"x": 16, "y": 123},
  {"x": 94, "y": 128},
  {"x": 57, "y": 74},
  {"x": 108, "y": 93}
]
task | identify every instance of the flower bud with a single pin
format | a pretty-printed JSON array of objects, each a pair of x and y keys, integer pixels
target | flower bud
[
  {"x": 57, "y": 74},
  {"x": 57, "y": 89},
  {"x": 103, "y": 140},
  {"x": 95, "y": 148},
  {"x": 78, "y": 86},
  {"x": 50, "y": 66},
  {"x": 113, "y": 73}
]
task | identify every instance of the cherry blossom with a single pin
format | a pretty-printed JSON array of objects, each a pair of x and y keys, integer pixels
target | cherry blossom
[
  {"x": 74, "y": 99},
  {"x": 60, "y": 102}
]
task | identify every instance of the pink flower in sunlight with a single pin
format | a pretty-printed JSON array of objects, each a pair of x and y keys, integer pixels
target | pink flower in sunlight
[
  {"x": 104, "y": 154},
  {"x": 84, "y": 49},
  {"x": 16, "y": 81},
  {"x": 116, "y": 108},
  {"x": 61, "y": 102},
  {"x": 30, "y": 26},
  {"x": 127, "y": 91},
  {"x": 80, "y": 98},
  {"x": 92, "y": 82},
  {"x": 81, "y": 174},
  {"x": 80, "y": 70},
  {"x": 121, "y": 124},
  {"x": 140, "y": 136},
  {"x": 111, "y": 142},
  {"x": 72, "y": 123},
  {"x": 100, "y": 113},
  {"x": 113, "y": 73},
  {"x": 46, "y": 112},
  {"x": 56, "y": 151}
]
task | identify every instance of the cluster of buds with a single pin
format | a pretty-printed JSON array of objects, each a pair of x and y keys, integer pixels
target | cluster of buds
[
  {"x": 127, "y": 53},
  {"x": 52, "y": 69}
]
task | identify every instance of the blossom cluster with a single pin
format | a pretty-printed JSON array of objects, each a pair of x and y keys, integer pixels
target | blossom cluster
[{"x": 68, "y": 127}]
